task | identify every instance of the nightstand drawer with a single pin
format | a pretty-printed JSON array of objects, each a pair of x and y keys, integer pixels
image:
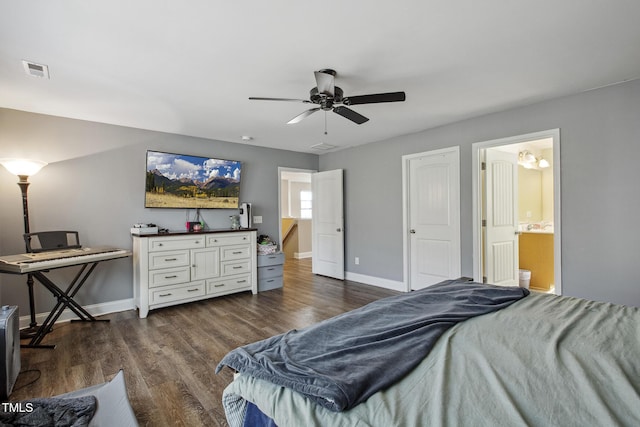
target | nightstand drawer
[
  {"x": 270, "y": 283},
  {"x": 269, "y": 271},
  {"x": 168, "y": 259},
  {"x": 169, "y": 276},
  {"x": 270, "y": 259},
  {"x": 176, "y": 293},
  {"x": 226, "y": 285}
]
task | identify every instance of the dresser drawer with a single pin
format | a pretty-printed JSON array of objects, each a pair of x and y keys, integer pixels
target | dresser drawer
[
  {"x": 173, "y": 243},
  {"x": 225, "y": 285},
  {"x": 269, "y": 271},
  {"x": 169, "y": 276},
  {"x": 234, "y": 252},
  {"x": 237, "y": 238},
  {"x": 176, "y": 293},
  {"x": 229, "y": 268},
  {"x": 271, "y": 259},
  {"x": 168, "y": 259}
]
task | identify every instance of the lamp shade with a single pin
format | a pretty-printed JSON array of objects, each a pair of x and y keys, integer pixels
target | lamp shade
[
  {"x": 543, "y": 163},
  {"x": 23, "y": 167}
]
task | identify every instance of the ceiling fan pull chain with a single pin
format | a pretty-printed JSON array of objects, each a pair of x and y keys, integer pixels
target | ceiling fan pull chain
[{"x": 325, "y": 122}]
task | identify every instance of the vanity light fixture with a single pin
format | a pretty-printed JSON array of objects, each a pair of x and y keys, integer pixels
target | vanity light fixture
[
  {"x": 543, "y": 163},
  {"x": 529, "y": 161}
]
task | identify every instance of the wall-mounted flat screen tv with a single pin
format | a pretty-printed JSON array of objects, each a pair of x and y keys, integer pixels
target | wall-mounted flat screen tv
[{"x": 184, "y": 181}]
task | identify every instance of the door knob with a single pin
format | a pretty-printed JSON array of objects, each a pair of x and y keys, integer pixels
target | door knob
[
  {"x": 338, "y": 229},
  {"x": 412, "y": 231}
]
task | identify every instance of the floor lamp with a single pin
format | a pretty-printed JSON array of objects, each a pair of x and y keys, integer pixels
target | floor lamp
[{"x": 24, "y": 169}]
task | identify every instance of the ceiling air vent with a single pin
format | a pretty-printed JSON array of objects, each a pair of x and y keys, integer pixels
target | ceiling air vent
[
  {"x": 36, "y": 70},
  {"x": 322, "y": 146}
]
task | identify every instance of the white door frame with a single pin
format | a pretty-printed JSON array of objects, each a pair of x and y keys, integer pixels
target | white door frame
[
  {"x": 476, "y": 171},
  {"x": 406, "y": 243},
  {"x": 280, "y": 171}
]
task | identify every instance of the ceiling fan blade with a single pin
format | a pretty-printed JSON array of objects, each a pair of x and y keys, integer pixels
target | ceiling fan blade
[
  {"x": 325, "y": 82},
  {"x": 374, "y": 98},
  {"x": 255, "y": 98},
  {"x": 350, "y": 114},
  {"x": 304, "y": 115}
]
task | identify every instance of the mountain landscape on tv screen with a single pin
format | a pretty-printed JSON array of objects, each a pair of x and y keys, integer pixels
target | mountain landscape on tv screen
[{"x": 191, "y": 182}]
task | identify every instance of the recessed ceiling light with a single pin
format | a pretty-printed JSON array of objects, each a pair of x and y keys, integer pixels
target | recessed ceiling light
[
  {"x": 247, "y": 138},
  {"x": 36, "y": 70}
]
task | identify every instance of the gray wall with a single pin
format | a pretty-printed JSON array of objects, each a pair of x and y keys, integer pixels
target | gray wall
[
  {"x": 600, "y": 148},
  {"x": 95, "y": 185}
]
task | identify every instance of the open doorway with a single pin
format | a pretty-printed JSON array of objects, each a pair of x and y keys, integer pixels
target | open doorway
[
  {"x": 296, "y": 201},
  {"x": 524, "y": 244}
]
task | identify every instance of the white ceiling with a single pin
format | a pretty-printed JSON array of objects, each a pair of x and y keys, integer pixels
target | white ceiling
[{"x": 188, "y": 67}]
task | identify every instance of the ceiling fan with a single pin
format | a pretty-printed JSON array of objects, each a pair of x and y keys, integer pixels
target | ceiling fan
[{"x": 329, "y": 97}]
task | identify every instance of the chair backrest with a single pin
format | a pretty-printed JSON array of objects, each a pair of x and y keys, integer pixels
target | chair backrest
[{"x": 43, "y": 241}]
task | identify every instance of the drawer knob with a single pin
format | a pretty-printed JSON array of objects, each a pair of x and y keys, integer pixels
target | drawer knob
[
  {"x": 193, "y": 290},
  {"x": 165, "y": 295},
  {"x": 237, "y": 252},
  {"x": 219, "y": 286},
  {"x": 170, "y": 277},
  {"x": 241, "y": 281},
  {"x": 171, "y": 259}
]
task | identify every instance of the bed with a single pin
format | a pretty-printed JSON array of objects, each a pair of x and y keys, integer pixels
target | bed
[{"x": 540, "y": 360}]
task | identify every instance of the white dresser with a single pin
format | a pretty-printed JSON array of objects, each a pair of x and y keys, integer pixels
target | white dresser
[{"x": 175, "y": 268}]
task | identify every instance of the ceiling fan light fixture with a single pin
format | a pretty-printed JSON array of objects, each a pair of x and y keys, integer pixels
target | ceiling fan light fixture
[{"x": 329, "y": 97}]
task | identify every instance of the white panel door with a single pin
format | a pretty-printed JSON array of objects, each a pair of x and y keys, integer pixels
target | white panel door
[
  {"x": 501, "y": 232},
  {"x": 434, "y": 218},
  {"x": 328, "y": 223}
]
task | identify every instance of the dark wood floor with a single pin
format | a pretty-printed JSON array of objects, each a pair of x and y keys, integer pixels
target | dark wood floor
[{"x": 169, "y": 358}]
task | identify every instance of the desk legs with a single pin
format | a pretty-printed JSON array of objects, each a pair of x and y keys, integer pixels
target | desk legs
[{"x": 65, "y": 299}]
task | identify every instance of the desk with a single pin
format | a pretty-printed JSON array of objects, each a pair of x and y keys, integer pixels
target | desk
[{"x": 37, "y": 264}]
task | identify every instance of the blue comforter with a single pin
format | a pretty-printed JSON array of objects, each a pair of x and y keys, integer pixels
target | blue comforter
[{"x": 341, "y": 361}]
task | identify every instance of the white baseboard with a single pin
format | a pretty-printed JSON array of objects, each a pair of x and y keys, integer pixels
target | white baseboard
[
  {"x": 93, "y": 309},
  {"x": 300, "y": 255},
  {"x": 376, "y": 281}
]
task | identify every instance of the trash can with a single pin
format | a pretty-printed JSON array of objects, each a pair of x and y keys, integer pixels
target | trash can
[{"x": 525, "y": 278}]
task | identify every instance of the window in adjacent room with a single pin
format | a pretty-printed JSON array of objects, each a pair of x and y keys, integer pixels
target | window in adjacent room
[{"x": 305, "y": 204}]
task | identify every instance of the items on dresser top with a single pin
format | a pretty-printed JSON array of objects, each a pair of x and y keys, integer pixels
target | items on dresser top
[
  {"x": 175, "y": 268},
  {"x": 270, "y": 271},
  {"x": 144, "y": 229}
]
